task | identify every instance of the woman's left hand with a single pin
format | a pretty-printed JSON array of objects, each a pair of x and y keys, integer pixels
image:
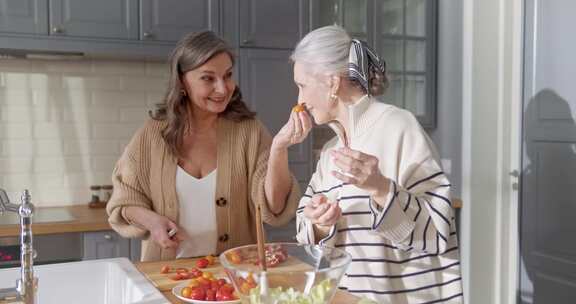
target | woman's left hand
[
  {"x": 361, "y": 170},
  {"x": 294, "y": 131}
]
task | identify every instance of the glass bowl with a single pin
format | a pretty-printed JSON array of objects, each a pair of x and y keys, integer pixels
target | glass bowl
[{"x": 296, "y": 273}]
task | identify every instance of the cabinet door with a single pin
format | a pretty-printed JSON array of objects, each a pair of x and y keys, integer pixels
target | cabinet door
[
  {"x": 105, "y": 244},
  {"x": 268, "y": 88},
  {"x": 95, "y": 19},
  {"x": 24, "y": 16},
  {"x": 169, "y": 20},
  {"x": 273, "y": 23}
]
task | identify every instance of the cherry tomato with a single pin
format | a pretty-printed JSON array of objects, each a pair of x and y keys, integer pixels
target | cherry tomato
[
  {"x": 186, "y": 292},
  {"x": 221, "y": 282},
  {"x": 165, "y": 269},
  {"x": 195, "y": 272},
  {"x": 234, "y": 257},
  {"x": 203, "y": 281},
  {"x": 210, "y": 295},
  {"x": 176, "y": 277},
  {"x": 223, "y": 295},
  {"x": 202, "y": 263},
  {"x": 210, "y": 259},
  {"x": 193, "y": 283},
  {"x": 208, "y": 275},
  {"x": 298, "y": 108},
  {"x": 226, "y": 289},
  {"x": 198, "y": 293}
]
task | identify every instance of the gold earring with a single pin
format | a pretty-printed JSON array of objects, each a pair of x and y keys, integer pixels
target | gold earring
[{"x": 333, "y": 97}]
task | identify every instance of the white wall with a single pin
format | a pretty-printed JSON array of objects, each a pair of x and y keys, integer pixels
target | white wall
[{"x": 63, "y": 124}]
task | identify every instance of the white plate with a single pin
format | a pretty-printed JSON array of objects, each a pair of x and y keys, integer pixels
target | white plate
[{"x": 177, "y": 291}]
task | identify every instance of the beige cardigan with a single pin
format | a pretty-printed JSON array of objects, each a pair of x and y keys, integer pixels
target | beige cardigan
[{"x": 145, "y": 176}]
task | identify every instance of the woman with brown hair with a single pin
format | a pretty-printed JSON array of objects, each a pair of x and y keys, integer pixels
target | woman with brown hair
[{"x": 189, "y": 180}]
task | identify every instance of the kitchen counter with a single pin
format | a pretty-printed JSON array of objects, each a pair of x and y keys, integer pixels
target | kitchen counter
[
  {"x": 152, "y": 271},
  {"x": 51, "y": 220},
  {"x": 80, "y": 218}
]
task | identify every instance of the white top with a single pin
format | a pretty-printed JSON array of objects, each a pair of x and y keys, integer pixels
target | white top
[
  {"x": 197, "y": 214},
  {"x": 407, "y": 251}
]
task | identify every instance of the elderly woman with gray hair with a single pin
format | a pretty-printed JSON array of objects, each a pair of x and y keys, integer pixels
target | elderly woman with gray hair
[{"x": 379, "y": 191}]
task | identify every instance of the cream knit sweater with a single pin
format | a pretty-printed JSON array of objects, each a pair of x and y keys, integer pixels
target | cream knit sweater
[
  {"x": 406, "y": 252},
  {"x": 145, "y": 176}
]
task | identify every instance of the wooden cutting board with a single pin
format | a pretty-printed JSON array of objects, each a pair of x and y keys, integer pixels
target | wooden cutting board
[{"x": 162, "y": 281}]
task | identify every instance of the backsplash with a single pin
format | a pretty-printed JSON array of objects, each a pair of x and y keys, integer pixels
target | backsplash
[{"x": 63, "y": 124}]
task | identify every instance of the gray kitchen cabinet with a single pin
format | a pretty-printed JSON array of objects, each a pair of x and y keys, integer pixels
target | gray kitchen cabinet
[
  {"x": 23, "y": 16},
  {"x": 115, "y": 19},
  {"x": 272, "y": 23},
  {"x": 267, "y": 85},
  {"x": 169, "y": 20},
  {"x": 105, "y": 244}
]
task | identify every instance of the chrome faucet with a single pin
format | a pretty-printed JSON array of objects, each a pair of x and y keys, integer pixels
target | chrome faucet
[{"x": 26, "y": 286}]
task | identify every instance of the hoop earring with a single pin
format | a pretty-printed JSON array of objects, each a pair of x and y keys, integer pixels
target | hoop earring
[{"x": 183, "y": 93}]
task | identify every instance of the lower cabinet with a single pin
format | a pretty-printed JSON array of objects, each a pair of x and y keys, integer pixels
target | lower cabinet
[{"x": 105, "y": 244}]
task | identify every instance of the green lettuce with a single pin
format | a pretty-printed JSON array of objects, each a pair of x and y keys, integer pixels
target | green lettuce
[{"x": 318, "y": 295}]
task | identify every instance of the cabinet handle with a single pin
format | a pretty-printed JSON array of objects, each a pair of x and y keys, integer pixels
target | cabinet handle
[
  {"x": 57, "y": 30},
  {"x": 107, "y": 237},
  {"x": 147, "y": 35},
  {"x": 247, "y": 41}
]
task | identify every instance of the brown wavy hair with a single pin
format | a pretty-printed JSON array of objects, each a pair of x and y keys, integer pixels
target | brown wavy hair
[{"x": 191, "y": 52}]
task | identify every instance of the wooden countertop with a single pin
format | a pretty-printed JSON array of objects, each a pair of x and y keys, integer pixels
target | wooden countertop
[
  {"x": 83, "y": 219},
  {"x": 151, "y": 270}
]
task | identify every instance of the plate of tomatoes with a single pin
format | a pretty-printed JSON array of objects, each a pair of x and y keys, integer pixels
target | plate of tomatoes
[{"x": 206, "y": 291}]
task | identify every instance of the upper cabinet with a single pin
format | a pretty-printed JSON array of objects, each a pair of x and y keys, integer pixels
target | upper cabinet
[
  {"x": 170, "y": 20},
  {"x": 117, "y": 28},
  {"x": 115, "y": 19},
  {"x": 23, "y": 16},
  {"x": 404, "y": 33},
  {"x": 272, "y": 23}
]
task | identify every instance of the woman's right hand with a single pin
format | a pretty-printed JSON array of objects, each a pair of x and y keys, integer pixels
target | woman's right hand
[
  {"x": 294, "y": 131},
  {"x": 322, "y": 212},
  {"x": 159, "y": 226}
]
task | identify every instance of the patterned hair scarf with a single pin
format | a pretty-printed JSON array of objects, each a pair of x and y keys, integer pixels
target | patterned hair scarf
[{"x": 365, "y": 67}]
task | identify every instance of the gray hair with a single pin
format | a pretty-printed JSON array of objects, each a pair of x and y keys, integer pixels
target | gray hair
[{"x": 327, "y": 51}]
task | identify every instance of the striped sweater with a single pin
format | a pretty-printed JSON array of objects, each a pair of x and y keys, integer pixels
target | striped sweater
[{"x": 406, "y": 251}]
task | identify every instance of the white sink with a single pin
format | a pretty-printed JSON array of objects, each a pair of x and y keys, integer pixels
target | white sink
[{"x": 106, "y": 281}]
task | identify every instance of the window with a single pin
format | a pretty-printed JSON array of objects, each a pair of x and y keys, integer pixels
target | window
[{"x": 403, "y": 32}]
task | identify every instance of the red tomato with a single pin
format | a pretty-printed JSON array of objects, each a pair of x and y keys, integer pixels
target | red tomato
[
  {"x": 198, "y": 293},
  {"x": 220, "y": 296},
  {"x": 176, "y": 277},
  {"x": 210, "y": 295},
  {"x": 165, "y": 269},
  {"x": 202, "y": 263},
  {"x": 195, "y": 272},
  {"x": 221, "y": 282},
  {"x": 226, "y": 289}
]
